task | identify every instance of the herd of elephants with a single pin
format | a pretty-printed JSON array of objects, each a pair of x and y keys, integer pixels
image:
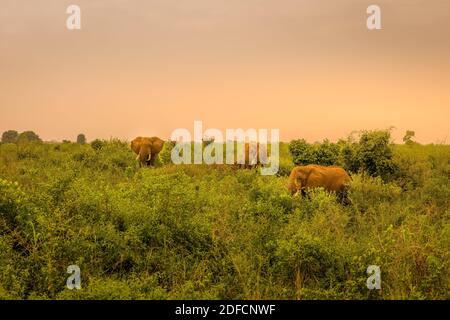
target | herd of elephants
[{"x": 331, "y": 178}]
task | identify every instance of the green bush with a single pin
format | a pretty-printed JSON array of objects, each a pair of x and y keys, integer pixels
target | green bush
[
  {"x": 325, "y": 153},
  {"x": 12, "y": 203},
  {"x": 302, "y": 152},
  {"x": 375, "y": 154},
  {"x": 97, "y": 144}
]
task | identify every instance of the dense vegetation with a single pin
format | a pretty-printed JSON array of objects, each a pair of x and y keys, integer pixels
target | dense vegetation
[{"x": 199, "y": 231}]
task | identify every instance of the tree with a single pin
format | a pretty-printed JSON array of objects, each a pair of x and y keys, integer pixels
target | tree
[
  {"x": 302, "y": 152},
  {"x": 375, "y": 153},
  {"x": 409, "y": 135},
  {"x": 325, "y": 153},
  {"x": 10, "y": 136},
  {"x": 81, "y": 139},
  {"x": 29, "y": 136},
  {"x": 349, "y": 156}
]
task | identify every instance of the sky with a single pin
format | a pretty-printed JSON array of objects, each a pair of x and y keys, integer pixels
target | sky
[{"x": 309, "y": 68}]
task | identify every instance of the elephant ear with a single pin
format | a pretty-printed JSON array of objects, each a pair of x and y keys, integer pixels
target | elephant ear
[
  {"x": 135, "y": 146},
  {"x": 304, "y": 176}
]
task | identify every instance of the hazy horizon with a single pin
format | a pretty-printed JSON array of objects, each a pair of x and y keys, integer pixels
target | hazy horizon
[{"x": 146, "y": 68}]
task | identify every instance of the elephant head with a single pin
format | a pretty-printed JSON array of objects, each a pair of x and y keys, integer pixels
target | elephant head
[
  {"x": 298, "y": 179},
  {"x": 147, "y": 149}
]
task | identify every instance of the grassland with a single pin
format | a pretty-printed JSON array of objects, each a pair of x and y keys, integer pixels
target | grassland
[{"x": 214, "y": 232}]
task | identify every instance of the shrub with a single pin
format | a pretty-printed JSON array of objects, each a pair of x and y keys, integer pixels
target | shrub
[
  {"x": 97, "y": 144},
  {"x": 12, "y": 203},
  {"x": 306, "y": 259},
  {"x": 165, "y": 154},
  {"x": 366, "y": 191}
]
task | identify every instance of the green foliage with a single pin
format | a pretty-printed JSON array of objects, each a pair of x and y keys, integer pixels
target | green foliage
[
  {"x": 325, "y": 153},
  {"x": 10, "y": 136},
  {"x": 375, "y": 153},
  {"x": 216, "y": 232},
  {"x": 165, "y": 154},
  {"x": 372, "y": 154},
  {"x": 12, "y": 203},
  {"x": 97, "y": 144},
  {"x": 302, "y": 152}
]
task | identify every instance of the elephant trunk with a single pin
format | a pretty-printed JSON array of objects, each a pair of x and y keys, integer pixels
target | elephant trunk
[
  {"x": 144, "y": 155},
  {"x": 294, "y": 185}
]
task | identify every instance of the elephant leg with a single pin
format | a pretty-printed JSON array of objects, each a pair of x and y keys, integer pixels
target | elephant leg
[
  {"x": 153, "y": 159},
  {"x": 343, "y": 197},
  {"x": 304, "y": 193}
]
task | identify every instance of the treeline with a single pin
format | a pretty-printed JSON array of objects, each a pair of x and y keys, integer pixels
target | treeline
[
  {"x": 12, "y": 136},
  {"x": 367, "y": 152}
]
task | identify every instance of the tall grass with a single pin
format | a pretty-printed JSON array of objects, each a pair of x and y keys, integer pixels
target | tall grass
[{"x": 215, "y": 232}]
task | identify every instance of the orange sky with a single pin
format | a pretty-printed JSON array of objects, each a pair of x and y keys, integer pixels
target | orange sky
[{"x": 307, "y": 67}]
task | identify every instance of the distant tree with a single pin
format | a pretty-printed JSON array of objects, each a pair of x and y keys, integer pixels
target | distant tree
[
  {"x": 81, "y": 139},
  {"x": 408, "y": 138},
  {"x": 29, "y": 136},
  {"x": 10, "y": 136}
]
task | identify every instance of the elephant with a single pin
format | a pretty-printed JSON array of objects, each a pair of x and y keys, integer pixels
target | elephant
[
  {"x": 331, "y": 178},
  {"x": 147, "y": 149}
]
